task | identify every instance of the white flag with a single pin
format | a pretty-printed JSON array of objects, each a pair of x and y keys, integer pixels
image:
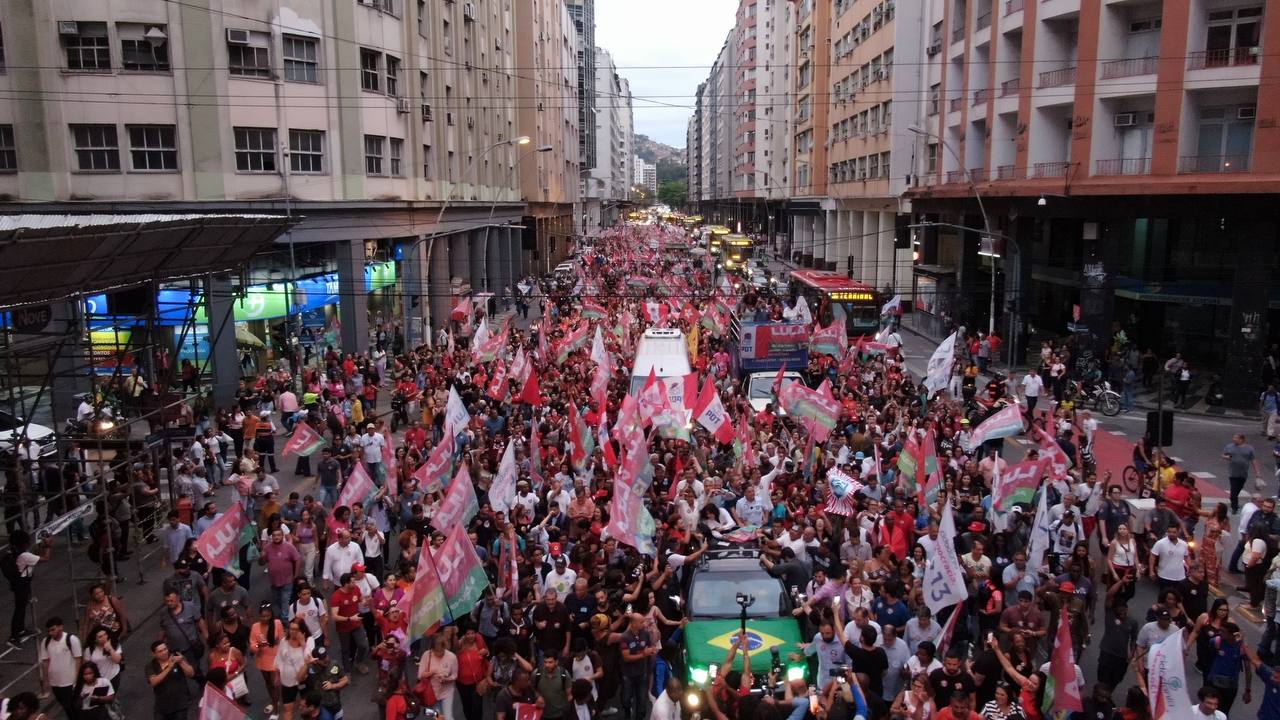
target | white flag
[
  {"x": 598, "y": 354},
  {"x": 502, "y": 491},
  {"x": 892, "y": 305},
  {"x": 944, "y": 581},
  {"x": 482, "y": 333},
  {"x": 939, "y": 372},
  {"x": 1039, "y": 543},
  {"x": 456, "y": 417},
  {"x": 1167, "y": 678},
  {"x": 519, "y": 370}
]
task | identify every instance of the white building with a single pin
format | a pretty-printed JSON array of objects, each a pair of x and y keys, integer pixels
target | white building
[{"x": 607, "y": 184}]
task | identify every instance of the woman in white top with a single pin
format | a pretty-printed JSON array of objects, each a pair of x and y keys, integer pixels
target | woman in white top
[
  {"x": 94, "y": 694},
  {"x": 291, "y": 663},
  {"x": 915, "y": 702},
  {"x": 1122, "y": 560},
  {"x": 103, "y": 653}
]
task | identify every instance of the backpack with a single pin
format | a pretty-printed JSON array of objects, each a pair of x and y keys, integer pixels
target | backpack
[
  {"x": 564, "y": 680},
  {"x": 9, "y": 567}
]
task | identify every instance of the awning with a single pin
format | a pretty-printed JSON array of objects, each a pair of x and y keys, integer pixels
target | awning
[{"x": 48, "y": 257}]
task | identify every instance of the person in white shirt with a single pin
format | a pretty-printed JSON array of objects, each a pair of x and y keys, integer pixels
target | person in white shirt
[
  {"x": 1246, "y": 514},
  {"x": 311, "y": 611},
  {"x": 339, "y": 557},
  {"x": 1170, "y": 557},
  {"x": 1032, "y": 386},
  {"x": 667, "y": 706},
  {"x": 749, "y": 510},
  {"x": 921, "y": 630},
  {"x": 560, "y": 578},
  {"x": 1207, "y": 708},
  {"x": 60, "y": 654}
]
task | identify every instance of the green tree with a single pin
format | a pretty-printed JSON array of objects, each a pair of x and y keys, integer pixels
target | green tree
[{"x": 673, "y": 193}]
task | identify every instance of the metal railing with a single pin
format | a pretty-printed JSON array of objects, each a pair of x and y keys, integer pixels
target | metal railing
[
  {"x": 984, "y": 20},
  {"x": 1213, "y": 164},
  {"x": 957, "y": 33},
  {"x": 1012, "y": 6},
  {"x": 1010, "y": 87},
  {"x": 1124, "y": 166},
  {"x": 1006, "y": 172},
  {"x": 1129, "y": 68},
  {"x": 1223, "y": 57},
  {"x": 1050, "y": 169},
  {"x": 979, "y": 96},
  {"x": 930, "y": 178},
  {"x": 955, "y": 104},
  {"x": 1058, "y": 78},
  {"x": 955, "y": 176}
]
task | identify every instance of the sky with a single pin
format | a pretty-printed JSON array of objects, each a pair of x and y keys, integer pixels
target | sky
[{"x": 685, "y": 33}]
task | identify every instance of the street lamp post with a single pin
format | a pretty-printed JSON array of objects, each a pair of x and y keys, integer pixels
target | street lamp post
[
  {"x": 448, "y": 198},
  {"x": 986, "y": 221}
]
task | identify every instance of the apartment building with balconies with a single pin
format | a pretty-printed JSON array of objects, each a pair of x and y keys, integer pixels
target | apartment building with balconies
[
  {"x": 549, "y": 166},
  {"x": 364, "y": 117},
  {"x": 607, "y": 183},
  {"x": 1125, "y": 151},
  {"x": 809, "y": 110}
]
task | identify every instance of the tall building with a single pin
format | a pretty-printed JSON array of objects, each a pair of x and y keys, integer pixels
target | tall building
[
  {"x": 364, "y": 119},
  {"x": 549, "y": 181},
  {"x": 1125, "y": 158},
  {"x": 583, "y": 13},
  {"x": 606, "y": 185},
  {"x": 773, "y": 116},
  {"x": 693, "y": 150},
  {"x": 645, "y": 178}
]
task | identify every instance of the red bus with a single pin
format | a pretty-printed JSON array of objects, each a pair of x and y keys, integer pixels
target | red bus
[{"x": 831, "y": 295}]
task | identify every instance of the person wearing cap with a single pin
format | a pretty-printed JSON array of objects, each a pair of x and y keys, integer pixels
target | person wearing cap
[
  {"x": 1154, "y": 632},
  {"x": 371, "y": 445},
  {"x": 264, "y": 440},
  {"x": 561, "y": 578},
  {"x": 325, "y": 679}
]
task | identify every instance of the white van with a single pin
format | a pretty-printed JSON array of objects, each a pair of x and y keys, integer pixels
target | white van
[{"x": 666, "y": 352}]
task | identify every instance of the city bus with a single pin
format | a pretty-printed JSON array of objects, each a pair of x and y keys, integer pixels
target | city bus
[
  {"x": 737, "y": 251},
  {"x": 832, "y": 296}
]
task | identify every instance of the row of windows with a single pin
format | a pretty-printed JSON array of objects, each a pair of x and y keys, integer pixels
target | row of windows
[
  {"x": 861, "y": 31},
  {"x": 878, "y": 68},
  {"x": 868, "y": 167},
  {"x": 872, "y": 121}
]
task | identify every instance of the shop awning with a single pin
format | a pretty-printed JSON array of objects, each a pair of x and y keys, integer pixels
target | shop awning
[{"x": 48, "y": 257}]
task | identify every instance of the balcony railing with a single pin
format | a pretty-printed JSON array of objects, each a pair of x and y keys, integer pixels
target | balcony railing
[
  {"x": 980, "y": 96},
  {"x": 1124, "y": 166},
  {"x": 1006, "y": 172},
  {"x": 1012, "y": 6},
  {"x": 1009, "y": 87},
  {"x": 1225, "y": 57},
  {"x": 957, "y": 34},
  {"x": 1050, "y": 169},
  {"x": 984, "y": 20},
  {"x": 955, "y": 176},
  {"x": 955, "y": 103},
  {"x": 930, "y": 178},
  {"x": 1129, "y": 68},
  {"x": 1058, "y": 78},
  {"x": 1213, "y": 164}
]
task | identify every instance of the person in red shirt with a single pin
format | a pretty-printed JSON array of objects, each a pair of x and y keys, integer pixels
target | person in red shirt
[
  {"x": 473, "y": 666},
  {"x": 344, "y": 605},
  {"x": 958, "y": 709},
  {"x": 416, "y": 436}
]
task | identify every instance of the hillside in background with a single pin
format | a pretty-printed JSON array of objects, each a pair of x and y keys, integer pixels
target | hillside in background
[{"x": 670, "y": 161}]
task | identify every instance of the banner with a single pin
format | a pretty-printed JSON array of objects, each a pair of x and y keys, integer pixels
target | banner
[
  {"x": 710, "y": 413},
  {"x": 629, "y": 520},
  {"x": 502, "y": 492},
  {"x": 830, "y": 340},
  {"x": 1017, "y": 484},
  {"x": 1007, "y": 422},
  {"x": 1167, "y": 680},
  {"x": 461, "y": 573},
  {"x": 938, "y": 374},
  {"x": 802, "y": 403},
  {"x": 459, "y": 504},
  {"x": 304, "y": 441},
  {"x": 766, "y": 346},
  {"x": 215, "y": 705},
  {"x": 431, "y": 474},
  {"x": 1061, "y": 681},
  {"x": 220, "y": 543},
  {"x": 840, "y": 493},
  {"x": 944, "y": 580}
]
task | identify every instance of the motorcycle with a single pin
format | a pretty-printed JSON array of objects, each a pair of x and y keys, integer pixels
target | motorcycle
[
  {"x": 1098, "y": 393},
  {"x": 399, "y": 411},
  {"x": 102, "y": 425}
]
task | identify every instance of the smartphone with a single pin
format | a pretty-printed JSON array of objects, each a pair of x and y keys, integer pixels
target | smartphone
[{"x": 813, "y": 702}]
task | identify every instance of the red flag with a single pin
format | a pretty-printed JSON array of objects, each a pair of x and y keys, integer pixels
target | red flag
[
  {"x": 710, "y": 413},
  {"x": 498, "y": 385},
  {"x": 219, "y": 544},
  {"x": 462, "y": 311},
  {"x": 610, "y": 457},
  {"x": 1062, "y": 668},
  {"x": 304, "y": 441},
  {"x": 777, "y": 381},
  {"x": 578, "y": 456},
  {"x": 527, "y": 711},
  {"x": 653, "y": 397},
  {"x": 215, "y": 705},
  {"x": 531, "y": 392}
]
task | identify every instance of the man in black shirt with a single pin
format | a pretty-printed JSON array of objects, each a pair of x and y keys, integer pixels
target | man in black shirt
[
  {"x": 1194, "y": 590},
  {"x": 519, "y": 691},
  {"x": 951, "y": 679},
  {"x": 866, "y": 659},
  {"x": 168, "y": 674},
  {"x": 551, "y": 624}
]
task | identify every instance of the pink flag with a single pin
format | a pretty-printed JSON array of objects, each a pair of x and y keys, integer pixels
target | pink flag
[
  {"x": 527, "y": 711},
  {"x": 653, "y": 397},
  {"x": 430, "y": 475},
  {"x": 389, "y": 462},
  {"x": 304, "y": 441},
  {"x": 629, "y": 425},
  {"x": 519, "y": 369},
  {"x": 219, "y": 544},
  {"x": 215, "y": 705},
  {"x": 358, "y": 488},
  {"x": 426, "y": 598},
  {"x": 459, "y": 504},
  {"x": 1059, "y": 463},
  {"x": 1062, "y": 669}
]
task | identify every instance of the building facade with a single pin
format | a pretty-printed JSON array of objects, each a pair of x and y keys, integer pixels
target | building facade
[
  {"x": 583, "y": 13},
  {"x": 607, "y": 184},
  {"x": 1123, "y": 154}
]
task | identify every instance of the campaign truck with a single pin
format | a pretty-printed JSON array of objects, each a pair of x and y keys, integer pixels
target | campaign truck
[{"x": 665, "y": 352}]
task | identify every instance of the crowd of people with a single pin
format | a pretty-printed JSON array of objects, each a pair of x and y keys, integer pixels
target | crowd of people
[{"x": 580, "y": 622}]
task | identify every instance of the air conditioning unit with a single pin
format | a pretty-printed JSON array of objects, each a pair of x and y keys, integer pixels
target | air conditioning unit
[
  {"x": 933, "y": 49},
  {"x": 68, "y": 27},
  {"x": 402, "y": 105},
  {"x": 883, "y": 73},
  {"x": 862, "y": 174},
  {"x": 1125, "y": 120},
  {"x": 426, "y": 112},
  {"x": 1247, "y": 113},
  {"x": 469, "y": 12},
  {"x": 237, "y": 37}
]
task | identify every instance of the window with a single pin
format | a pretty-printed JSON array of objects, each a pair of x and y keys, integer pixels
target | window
[
  {"x": 152, "y": 148},
  {"x": 1226, "y": 133},
  {"x": 397, "y": 151},
  {"x": 255, "y": 150},
  {"x": 931, "y": 157},
  {"x": 300, "y": 58},
  {"x": 393, "y": 76},
  {"x": 143, "y": 48},
  {"x": 884, "y": 164},
  {"x": 426, "y": 161},
  {"x": 8, "y": 150},
  {"x": 96, "y": 146},
  {"x": 422, "y": 18},
  {"x": 87, "y": 47},
  {"x": 306, "y": 151},
  {"x": 1230, "y": 32},
  {"x": 373, "y": 154},
  {"x": 370, "y": 60},
  {"x": 1, "y": 51},
  {"x": 873, "y": 166},
  {"x": 935, "y": 98},
  {"x": 250, "y": 58}
]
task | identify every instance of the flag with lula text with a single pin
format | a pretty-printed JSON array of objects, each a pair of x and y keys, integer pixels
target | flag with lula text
[
  {"x": 426, "y": 597},
  {"x": 831, "y": 340},
  {"x": 802, "y": 403},
  {"x": 304, "y": 441},
  {"x": 944, "y": 579},
  {"x": 1006, "y": 422},
  {"x": 432, "y": 473},
  {"x": 629, "y": 520},
  {"x": 498, "y": 383},
  {"x": 490, "y": 349},
  {"x": 459, "y": 504},
  {"x": 1059, "y": 463},
  {"x": 220, "y": 543},
  {"x": 1017, "y": 484},
  {"x": 461, "y": 573}
]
